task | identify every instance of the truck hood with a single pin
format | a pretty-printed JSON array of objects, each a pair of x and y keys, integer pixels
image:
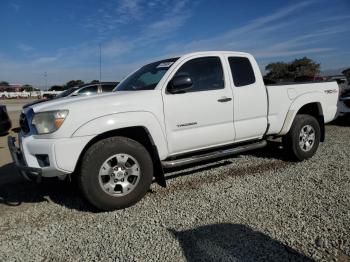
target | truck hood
[
  {"x": 85, "y": 109},
  {"x": 31, "y": 104},
  {"x": 110, "y": 102}
]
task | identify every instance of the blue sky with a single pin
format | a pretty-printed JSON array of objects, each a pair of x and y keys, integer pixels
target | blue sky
[{"x": 62, "y": 37}]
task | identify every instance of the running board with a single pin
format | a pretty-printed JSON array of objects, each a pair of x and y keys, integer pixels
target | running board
[{"x": 212, "y": 155}]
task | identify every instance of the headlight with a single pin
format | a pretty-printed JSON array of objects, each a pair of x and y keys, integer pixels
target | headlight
[{"x": 49, "y": 122}]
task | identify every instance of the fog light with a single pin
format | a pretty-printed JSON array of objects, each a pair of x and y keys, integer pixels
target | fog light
[{"x": 43, "y": 160}]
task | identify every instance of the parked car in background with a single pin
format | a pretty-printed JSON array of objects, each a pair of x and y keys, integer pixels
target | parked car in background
[
  {"x": 49, "y": 96},
  {"x": 89, "y": 89},
  {"x": 5, "y": 122},
  {"x": 82, "y": 90},
  {"x": 344, "y": 103},
  {"x": 341, "y": 81}
]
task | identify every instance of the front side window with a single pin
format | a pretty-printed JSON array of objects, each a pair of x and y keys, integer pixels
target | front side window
[
  {"x": 242, "y": 71},
  {"x": 147, "y": 77},
  {"x": 206, "y": 73}
]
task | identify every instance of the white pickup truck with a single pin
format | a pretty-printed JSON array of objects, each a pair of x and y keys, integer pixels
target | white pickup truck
[{"x": 169, "y": 113}]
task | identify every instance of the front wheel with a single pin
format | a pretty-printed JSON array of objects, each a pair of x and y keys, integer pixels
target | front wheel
[
  {"x": 303, "y": 138},
  {"x": 116, "y": 173}
]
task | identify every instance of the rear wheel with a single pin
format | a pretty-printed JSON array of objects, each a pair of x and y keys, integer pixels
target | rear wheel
[
  {"x": 303, "y": 138},
  {"x": 115, "y": 173}
]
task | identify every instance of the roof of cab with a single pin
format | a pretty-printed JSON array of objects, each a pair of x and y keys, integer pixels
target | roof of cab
[{"x": 216, "y": 53}]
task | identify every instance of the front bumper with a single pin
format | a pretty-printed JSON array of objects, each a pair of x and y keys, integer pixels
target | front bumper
[
  {"x": 19, "y": 161},
  {"x": 62, "y": 155},
  {"x": 25, "y": 159}
]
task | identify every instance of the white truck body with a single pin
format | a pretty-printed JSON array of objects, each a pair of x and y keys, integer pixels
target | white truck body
[
  {"x": 166, "y": 116},
  {"x": 177, "y": 124}
]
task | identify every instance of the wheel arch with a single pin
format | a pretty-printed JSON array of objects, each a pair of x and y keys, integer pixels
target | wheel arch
[
  {"x": 315, "y": 110},
  {"x": 309, "y": 106},
  {"x": 138, "y": 133}
]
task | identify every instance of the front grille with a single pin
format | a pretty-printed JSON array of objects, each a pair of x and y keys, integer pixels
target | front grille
[{"x": 23, "y": 123}]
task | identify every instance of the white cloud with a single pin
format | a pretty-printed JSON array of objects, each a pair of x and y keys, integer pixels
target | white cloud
[
  {"x": 171, "y": 16},
  {"x": 171, "y": 20},
  {"x": 115, "y": 48},
  {"x": 335, "y": 18},
  {"x": 113, "y": 14},
  {"x": 128, "y": 10},
  {"x": 45, "y": 60},
  {"x": 16, "y": 7},
  {"x": 284, "y": 53},
  {"x": 280, "y": 34},
  {"x": 155, "y": 14},
  {"x": 25, "y": 48}
]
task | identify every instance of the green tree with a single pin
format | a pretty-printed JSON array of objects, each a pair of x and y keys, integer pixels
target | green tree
[
  {"x": 303, "y": 67},
  {"x": 278, "y": 71},
  {"x": 27, "y": 88},
  {"x": 95, "y": 82},
  {"x": 346, "y": 72},
  {"x": 4, "y": 83},
  {"x": 73, "y": 83},
  {"x": 57, "y": 88}
]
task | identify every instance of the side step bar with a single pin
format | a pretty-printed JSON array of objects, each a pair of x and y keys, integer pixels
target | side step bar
[{"x": 212, "y": 155}]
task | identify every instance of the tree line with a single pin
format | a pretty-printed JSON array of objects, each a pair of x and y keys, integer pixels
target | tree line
[
  {"x": 297, "y": 70},
  {"x": 290, "y": 71},
  {"x": 25, "y": 87}
]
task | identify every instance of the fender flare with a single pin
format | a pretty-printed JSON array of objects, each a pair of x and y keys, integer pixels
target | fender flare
[
  {"x": 117, "y": 121},
  {"x": 297, "y": 104}
]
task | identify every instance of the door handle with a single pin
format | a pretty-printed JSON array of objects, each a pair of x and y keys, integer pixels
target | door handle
[{"x": 224, "y": 99}]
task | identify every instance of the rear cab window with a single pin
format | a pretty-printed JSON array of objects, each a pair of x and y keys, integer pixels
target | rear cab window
[{"x": 242, "y": 71}]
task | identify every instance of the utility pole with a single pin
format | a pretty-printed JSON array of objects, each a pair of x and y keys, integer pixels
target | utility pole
[
  {"x": 100, "y": 63},
  {"x": 45, "y": 76}
]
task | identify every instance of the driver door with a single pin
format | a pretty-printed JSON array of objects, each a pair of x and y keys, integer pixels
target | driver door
[{"x": 201, "y": 117}]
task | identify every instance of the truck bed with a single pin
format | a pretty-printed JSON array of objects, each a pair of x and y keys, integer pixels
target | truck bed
[{"x": 285, "y": 98}]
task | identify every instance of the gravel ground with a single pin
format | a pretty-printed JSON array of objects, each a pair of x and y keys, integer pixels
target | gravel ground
[{"x": 253, "y": 207}]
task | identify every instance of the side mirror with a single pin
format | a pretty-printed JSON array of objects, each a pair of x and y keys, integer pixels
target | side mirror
[{"x": 180, "y": 84}]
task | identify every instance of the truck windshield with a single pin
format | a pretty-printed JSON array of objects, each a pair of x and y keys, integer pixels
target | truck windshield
[{"x": 147, "y": 77}]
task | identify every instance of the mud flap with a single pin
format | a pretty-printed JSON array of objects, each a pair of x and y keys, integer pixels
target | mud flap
[{"x": 158, "y": 168}]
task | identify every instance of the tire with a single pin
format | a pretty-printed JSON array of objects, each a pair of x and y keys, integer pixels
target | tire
[
  {"x": 296, "y": 143},
  {"x": 102, "y": 166}
]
